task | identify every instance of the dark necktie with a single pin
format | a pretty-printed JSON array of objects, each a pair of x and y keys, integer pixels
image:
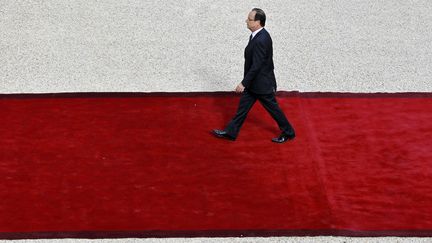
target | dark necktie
[{"x": 250, "y": 39}]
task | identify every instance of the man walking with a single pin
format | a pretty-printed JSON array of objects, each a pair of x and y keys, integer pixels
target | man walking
[{"x": 259, "y": 81}]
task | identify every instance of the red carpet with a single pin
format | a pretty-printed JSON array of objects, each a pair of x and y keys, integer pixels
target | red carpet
[{"x": 122, "y": 165}]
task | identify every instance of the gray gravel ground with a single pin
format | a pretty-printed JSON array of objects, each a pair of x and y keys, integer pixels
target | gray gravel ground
[{"x": 197, "y": 45}]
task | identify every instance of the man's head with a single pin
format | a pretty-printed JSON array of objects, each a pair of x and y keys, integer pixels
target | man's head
[{"x": 256, "y": 19}]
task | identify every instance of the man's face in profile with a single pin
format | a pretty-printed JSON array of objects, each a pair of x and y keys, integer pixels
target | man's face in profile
[{"x": 252, "y": 24}]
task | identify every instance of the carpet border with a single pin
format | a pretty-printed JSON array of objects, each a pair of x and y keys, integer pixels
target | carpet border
[
  {"x": 211, "y": 234},
  {"x": 211, "y": 94}
]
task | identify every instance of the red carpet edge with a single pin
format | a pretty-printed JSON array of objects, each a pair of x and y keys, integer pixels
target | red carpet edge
[
  {"x": 217, "y": 93},
  {"x": 212, "y": 233}
]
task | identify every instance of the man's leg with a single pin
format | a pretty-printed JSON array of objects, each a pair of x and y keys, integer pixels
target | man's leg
[
  {"x": 247, "y": 100},
  {"x": 270, "y": 104}
]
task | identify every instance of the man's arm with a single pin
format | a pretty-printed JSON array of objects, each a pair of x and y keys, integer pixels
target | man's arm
[{"x": 258, "y": 58}]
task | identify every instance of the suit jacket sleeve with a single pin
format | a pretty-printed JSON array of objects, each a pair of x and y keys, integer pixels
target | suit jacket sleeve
[{"x": 258, "y": 58}]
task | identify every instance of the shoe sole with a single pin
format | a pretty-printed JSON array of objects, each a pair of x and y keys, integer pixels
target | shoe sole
[
  {"x": 222, "y": 136},
  {"x": 289, "y": 139}
]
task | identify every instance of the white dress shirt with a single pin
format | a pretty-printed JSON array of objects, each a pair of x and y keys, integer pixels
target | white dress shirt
[{"x": 256, "y": 32}]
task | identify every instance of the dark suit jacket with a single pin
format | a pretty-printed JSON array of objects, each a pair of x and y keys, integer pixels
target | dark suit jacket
[{"x": 259, "y": 76}]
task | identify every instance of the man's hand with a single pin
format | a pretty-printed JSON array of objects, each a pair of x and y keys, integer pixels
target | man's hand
[{"x": 240, "y": 88}]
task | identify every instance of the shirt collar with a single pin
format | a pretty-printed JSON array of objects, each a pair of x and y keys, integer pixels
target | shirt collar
[{"x": 256, "y": 32}]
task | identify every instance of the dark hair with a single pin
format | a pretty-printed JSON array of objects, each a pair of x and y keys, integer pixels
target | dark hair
[{"x": 260, "y": 15}]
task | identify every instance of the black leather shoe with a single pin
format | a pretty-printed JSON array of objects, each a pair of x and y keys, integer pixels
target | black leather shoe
[
  {"x": 222, "y": 134},
  {"x": 283, "y": 138}
]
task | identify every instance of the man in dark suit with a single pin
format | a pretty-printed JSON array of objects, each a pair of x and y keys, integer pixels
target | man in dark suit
[{"x": 259, "y": 81}]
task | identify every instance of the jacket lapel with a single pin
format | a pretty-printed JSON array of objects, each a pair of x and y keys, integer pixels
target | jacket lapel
[
  {"x": 249, "y": 45},
  {"x": 258, "y": 34}
]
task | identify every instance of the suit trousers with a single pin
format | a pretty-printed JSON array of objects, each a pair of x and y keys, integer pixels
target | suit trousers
[{"x": 269, "y": 102}]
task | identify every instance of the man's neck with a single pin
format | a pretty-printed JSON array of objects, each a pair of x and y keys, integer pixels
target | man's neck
[{"x": 256, "y": 31}]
